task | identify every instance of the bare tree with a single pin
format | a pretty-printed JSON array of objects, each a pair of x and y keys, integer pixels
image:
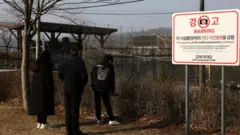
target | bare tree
[
  {"x": 5, "y": 39},
  {"x": 31, "y": 10},
  {"x": 27, "y": 10}
]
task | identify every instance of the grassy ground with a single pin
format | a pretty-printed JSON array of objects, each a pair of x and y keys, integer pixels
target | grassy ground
[{"x": 15, "y": 121}]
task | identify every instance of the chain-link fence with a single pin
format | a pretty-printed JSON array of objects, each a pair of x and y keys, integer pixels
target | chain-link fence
[{"x": 139, "y": 54}]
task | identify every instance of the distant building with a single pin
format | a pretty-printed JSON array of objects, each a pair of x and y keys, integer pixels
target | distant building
[{"x": 150, "y": 45}]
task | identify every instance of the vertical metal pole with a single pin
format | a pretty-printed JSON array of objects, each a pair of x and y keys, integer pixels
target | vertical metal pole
[
  {"x": 19, "y": 36},
  {"x": 209, "y": 77},
  {"x": 37, "y": 39},
  {"x": 102, "y": 41},
  {"x": 223, "y": 103},
  {"x": 80, "y": 45},
  {"x": 121, "y": 36},
  {"x": 94, "y": 39},
  {"x": 38, "y": 36},
  {"x": 202, "y": 67},
  {"x": 186, "y": 100}
]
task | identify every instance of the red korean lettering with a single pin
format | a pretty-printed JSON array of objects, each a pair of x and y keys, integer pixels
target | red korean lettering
[
  {"x": 221, "y": 38},
  {"x": 193, "y": 22},
  {"x": 215, "y": 21}
]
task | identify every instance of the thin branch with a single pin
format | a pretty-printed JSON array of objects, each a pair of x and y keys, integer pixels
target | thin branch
[
  {"x": 44, "y": 10},
  {"x": 14, "y": 5},
  {"x": 31, "y": 11},
  {"x": 30, "y": 6},
  {"x": 5, "y": 37},
  {"x": 94, "y": 6},
  {"x": 67, "y": 18},
  {"x": 9, "y": 40}
]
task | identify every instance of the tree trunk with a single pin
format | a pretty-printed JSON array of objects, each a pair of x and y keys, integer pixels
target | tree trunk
[
  {"x": 25, "y": 68},
  {"x": 24, "y": 73},
  {"x": 25, "y": 56}
]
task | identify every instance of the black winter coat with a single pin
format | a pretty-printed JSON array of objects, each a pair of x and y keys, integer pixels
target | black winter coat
[
  {"x": 73, "y": 72},
  {"x": 107, "y": 81},
  {"x": 41, "y": 94}
]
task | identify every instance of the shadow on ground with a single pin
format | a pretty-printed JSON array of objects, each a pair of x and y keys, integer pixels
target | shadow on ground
[
  {"x": 159, "y": 125},
  {"x": 81, "y": 123}
]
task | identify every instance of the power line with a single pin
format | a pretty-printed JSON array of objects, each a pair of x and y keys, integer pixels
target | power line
[
  {"x": 94, "y": 6},
  {"x": 86, "y": 2},
  {"x": 120, "y": 14},
  {"x": 127, "y": 13}
]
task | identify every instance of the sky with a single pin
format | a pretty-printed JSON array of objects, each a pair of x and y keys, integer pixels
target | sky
[{"x": 146, "y": 21}]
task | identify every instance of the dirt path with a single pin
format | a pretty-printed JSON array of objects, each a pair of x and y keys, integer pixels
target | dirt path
[{"x": 15, "y": 121}]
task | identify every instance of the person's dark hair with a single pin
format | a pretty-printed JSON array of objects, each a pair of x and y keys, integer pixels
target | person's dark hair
[
  {"x": 107, "y": 58},
  {"x": 75, "y": 49},
  {"x": 42, "y": 60}
]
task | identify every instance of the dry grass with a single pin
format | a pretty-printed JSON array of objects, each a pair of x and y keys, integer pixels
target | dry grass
[
  {"x": 148, "y": 102},
  {"x": 14, "y": 121},
  {"x": 10, "y": 86},
  {"x": 141, "y": 98}
]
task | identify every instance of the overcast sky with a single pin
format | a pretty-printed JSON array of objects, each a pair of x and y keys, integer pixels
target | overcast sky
[{"x": 147, "y": 21}]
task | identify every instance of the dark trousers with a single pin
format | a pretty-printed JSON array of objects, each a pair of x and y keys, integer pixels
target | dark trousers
[
  {"x": 41, "y": 118},
  {"x": 72, "y": 105},
  {"x": 98, "y": 95}
]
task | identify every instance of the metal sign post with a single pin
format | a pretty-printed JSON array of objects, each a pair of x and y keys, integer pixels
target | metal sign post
[
  {"x": 223, "y": 103},
  {"x": 186, "y": 100}
]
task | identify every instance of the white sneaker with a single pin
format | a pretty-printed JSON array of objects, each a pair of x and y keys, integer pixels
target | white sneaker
[
  {"x": 38, "y": 125},
  {"x": 114, "y": 122},
  {"x": 44, "y": 126}
]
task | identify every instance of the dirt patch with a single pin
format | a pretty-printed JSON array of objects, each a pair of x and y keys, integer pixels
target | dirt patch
[{"x": 15, "y": 121}]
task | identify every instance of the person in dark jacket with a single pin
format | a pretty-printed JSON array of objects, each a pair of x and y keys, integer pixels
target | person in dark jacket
[
  {"x": 73, "y": 73},
  {"x": 41, "y": 94},
  {"x": 103, "y": 85}
]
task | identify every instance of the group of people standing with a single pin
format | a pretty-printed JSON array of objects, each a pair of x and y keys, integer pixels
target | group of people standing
[{"x": 75, "y": 77}]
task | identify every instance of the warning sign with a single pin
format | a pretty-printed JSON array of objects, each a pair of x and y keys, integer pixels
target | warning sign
[{"x": 206, "y": 38}]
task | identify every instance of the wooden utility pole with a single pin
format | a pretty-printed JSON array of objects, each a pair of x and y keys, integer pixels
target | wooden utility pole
[{"x": 202, "y": 68}]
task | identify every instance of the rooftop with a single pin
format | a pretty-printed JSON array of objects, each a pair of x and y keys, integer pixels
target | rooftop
[{"x": 62, "y": 28}]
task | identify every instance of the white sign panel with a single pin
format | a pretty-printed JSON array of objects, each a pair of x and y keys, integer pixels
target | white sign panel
[{"x": 206, "y": 38}]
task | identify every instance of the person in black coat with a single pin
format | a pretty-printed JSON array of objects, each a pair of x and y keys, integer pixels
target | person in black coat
[
  {"x": 73, "y": 72},
  {"x": 41, "y": 94},
  {"x": 103, "y": 85}
]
